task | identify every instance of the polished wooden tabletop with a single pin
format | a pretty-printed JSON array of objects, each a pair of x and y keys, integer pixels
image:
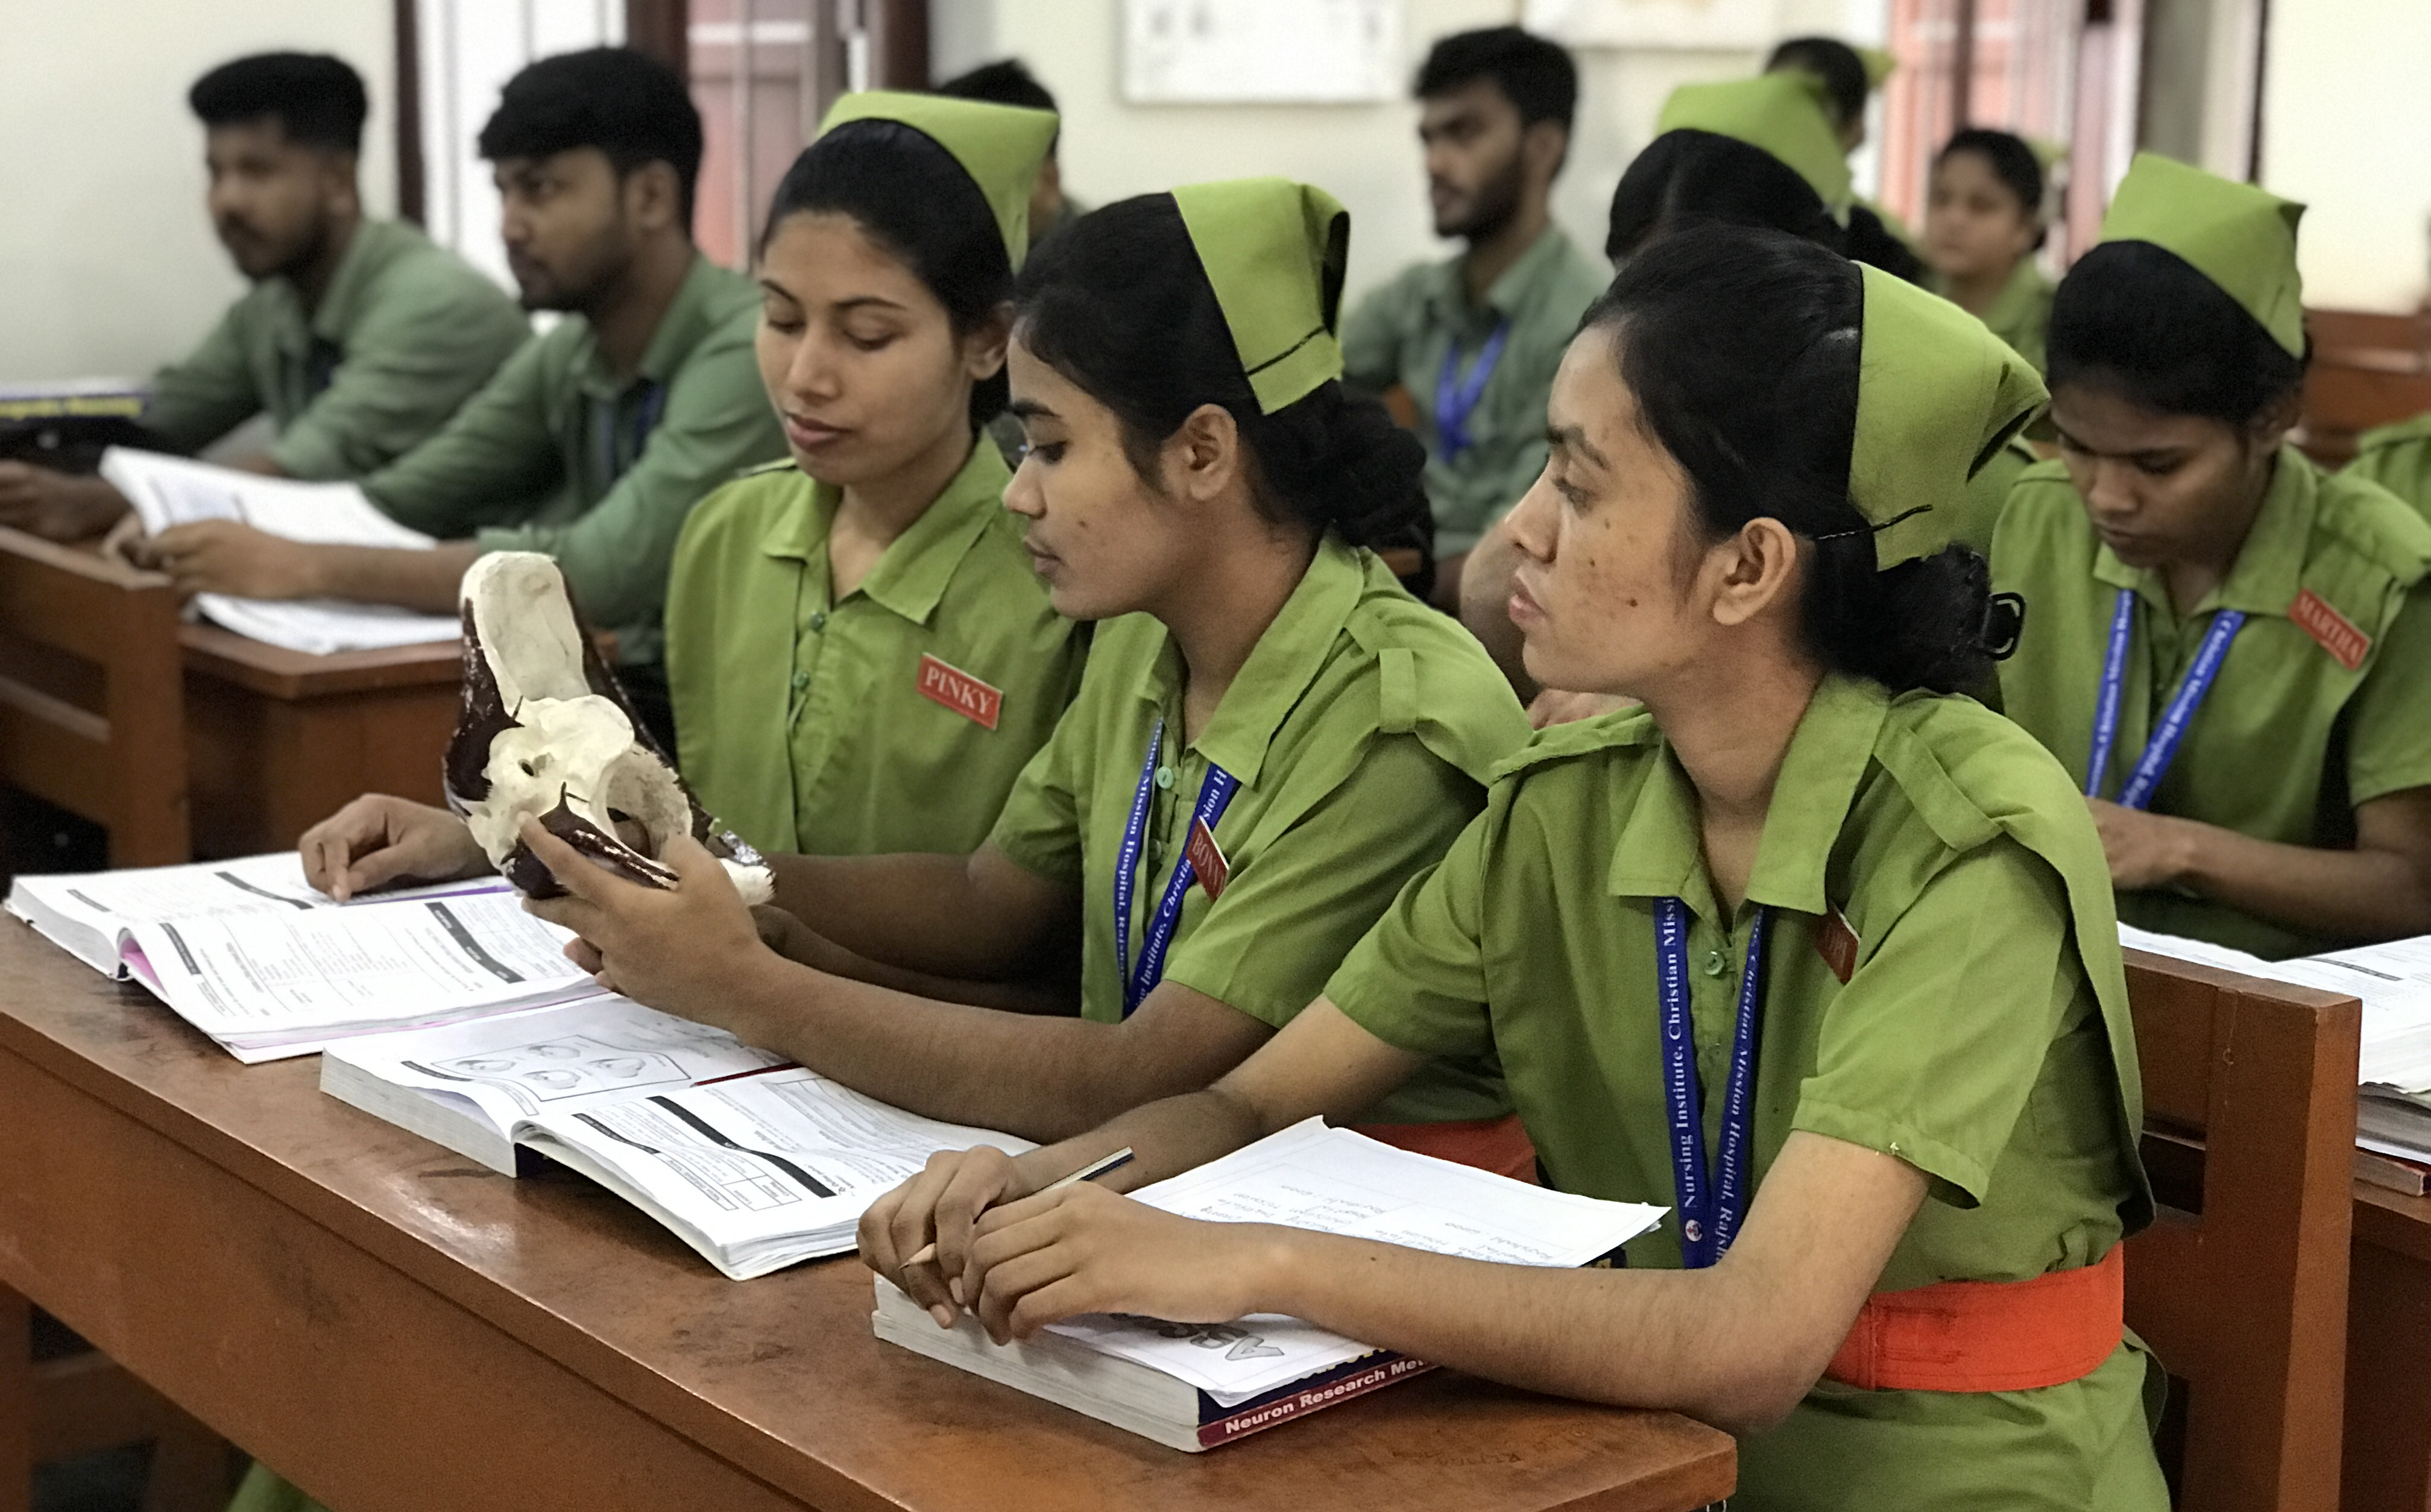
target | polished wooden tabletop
[{"x": 284, "y": 1266}]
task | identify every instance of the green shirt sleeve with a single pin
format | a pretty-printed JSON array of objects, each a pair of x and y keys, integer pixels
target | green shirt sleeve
[
  {"x": 2389, "y": 742},
  {"x": 1039, "y": 829},
  {"x": 1371, "y": 348},
  {"x": 492, "y": 460},
  {"x": 419, "y": 353},
  {"x": 716, "y": 423},
  {"x": 213, "y": 392},
  {"x": 1931, "y": 1052},
  {"x": 1417, "y": 980},
  {"x": 1287, "y": 918}
]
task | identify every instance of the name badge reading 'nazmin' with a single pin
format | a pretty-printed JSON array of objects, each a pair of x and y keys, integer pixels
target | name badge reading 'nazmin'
[{"x": 961, "y": 692}]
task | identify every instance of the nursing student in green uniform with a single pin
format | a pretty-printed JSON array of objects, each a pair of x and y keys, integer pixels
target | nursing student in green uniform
[
  {"x": 1272, "y": 735},
  {"x": 825, "y": 615},
  {"x": 359, "y": 338},
  {"x": 593, "y": 442},
  {"x": 2398, "y": 458},
  {"x": 1473, "y": 341},
  {"x": 1849, "y": 77},
  {"x": 1983, "y": 224},
  {"x": 2230, "y": 649},
  {"x": 1845, "y": 933}
]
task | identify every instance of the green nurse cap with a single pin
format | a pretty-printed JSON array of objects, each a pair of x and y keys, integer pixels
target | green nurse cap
[
  {"x": 1274, "y": 252},
  {"x": 1781, "y": 113},
  {"x": 1938, "y": 396},
  {"x": 1880, "y": 65},
  {"x": 2241, "y": 237},
  {"x": 1000, "y": 146}
]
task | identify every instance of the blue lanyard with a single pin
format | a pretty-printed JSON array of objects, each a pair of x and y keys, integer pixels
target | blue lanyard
[
  {"x": 1214, "y": 795},
  {"x": 654, "y": 403},
  {"x": 1710, "y": 1210},
  {"x": 1456, "y": 398},
  {"x": 2162, "y": 749}
]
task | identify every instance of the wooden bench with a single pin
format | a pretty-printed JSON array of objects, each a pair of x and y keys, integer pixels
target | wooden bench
[
  {"x": 2367, "y": 370},
  {"x": 2240, "y": 1285}
]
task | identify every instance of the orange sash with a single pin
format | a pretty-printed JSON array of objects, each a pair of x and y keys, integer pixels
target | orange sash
[
  {"x": 1988, "y": 1336},
  {"x": 1499, "y": 1145}
]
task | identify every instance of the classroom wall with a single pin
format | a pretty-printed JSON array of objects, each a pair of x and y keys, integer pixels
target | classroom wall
[
  {"x": 1367, "y": 155},
  {"x": 2346, "y": 128},
  {"x": 107, "y": 263}
]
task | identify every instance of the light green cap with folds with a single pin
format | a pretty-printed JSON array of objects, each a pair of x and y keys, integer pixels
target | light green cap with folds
[
  {"x": 1880, "y": 65},
  {"x": 1938, "y": 396},
  {"x": 1000, "y": 146},
  {"x": 2241, "y": 237},
  {"x": 1779, "y": 113},
  {"x": 1274, "y": 252}
]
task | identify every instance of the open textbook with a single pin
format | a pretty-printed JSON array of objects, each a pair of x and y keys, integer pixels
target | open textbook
[
  {"x": 87, "y": 914},
  {"x": 1195, "y": 1387},
  {"x": 469, "y": 1086},
  {"x": 167, "y": 491},
  {"x": 270, "y": 984},
  {"x": 2392, "y": 980}
]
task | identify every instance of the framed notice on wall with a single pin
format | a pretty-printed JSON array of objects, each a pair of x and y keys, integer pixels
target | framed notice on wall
[
  {"x": 1262, "y": 52},
  {"x": 1719, "y": 24}
]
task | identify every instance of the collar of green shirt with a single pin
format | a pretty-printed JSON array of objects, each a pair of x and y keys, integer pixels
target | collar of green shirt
[
  {"x": 373, "y": 247},
  {"x": 1660, "y": 853},
  {"x": 912, "y": 573},
  {"x": 1285, "y": 661},
  {"x": 1506, "y": 296},
  {"x": 2269, "y": 566},
  {"x": 691, "y": 316}
]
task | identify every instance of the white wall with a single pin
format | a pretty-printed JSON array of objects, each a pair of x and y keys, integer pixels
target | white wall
[
  {"x": 107, "y": 263},
  {"x": 1367, "y": 155},
  {"x": 2346, "y": 128}
]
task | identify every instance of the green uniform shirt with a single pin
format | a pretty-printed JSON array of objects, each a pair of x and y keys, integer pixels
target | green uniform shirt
[
  {"x": 2021, "y": 313},
  {"x": 803, "y": 721},
  {"x": 560, "y": 455},
  {"x": 405, "y": 334},
  {"x": 1362, "y": 730},
  {"x": 1403, "y": 333},
  {"x": 1982, "y": 1038},
  {"x": 2398, "y": 458},
  {"x": 2291, "y": 739}
]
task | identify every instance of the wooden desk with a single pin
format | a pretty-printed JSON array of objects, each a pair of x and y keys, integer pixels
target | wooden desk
[
  {"x": 397, "y": 1329},
  {"x": 275, "y": 740},
  {"x": 2387, "y": 1463}
]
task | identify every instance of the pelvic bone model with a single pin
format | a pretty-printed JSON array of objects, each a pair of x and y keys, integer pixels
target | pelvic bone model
[{"x": 545, "y": 731}]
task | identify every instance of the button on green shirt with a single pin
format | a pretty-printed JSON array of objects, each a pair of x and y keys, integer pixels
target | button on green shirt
[
  {"x": 2398, "y": 458},
  {"x": 1362, "y": 730},
  {"x": 1982, "y": 1038},
  {"x": 560, "y": 455},
  {"x": 405, "y": 334},
  {"x": 2289, "y": 739},
  {"x": 1403, "y": 333},
  {"x": 802, "y": 721}
]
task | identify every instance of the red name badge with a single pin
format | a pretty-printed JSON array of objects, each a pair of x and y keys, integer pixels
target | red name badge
[
  {"x": 1837, "y": 943},
  {"x": 961, "y": 692},
  {"x": 1207, "y": 858},
  {"x": 2340, "y": 636}
]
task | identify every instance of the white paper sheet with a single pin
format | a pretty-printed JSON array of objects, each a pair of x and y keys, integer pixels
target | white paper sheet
[
  {"x": 167, "y": 491},
  {"x": 2392, "y": 980},
  {"x": 1310, "y": 1176}
]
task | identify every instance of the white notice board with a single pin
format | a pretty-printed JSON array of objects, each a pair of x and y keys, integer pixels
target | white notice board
[
  {"x": 1726, "y": 23},
  {"x": 1262, "y": 52}
]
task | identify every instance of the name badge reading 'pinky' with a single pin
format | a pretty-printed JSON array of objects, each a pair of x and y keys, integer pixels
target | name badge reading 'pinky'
[
  {"x": 1207, "y": 858},
  {"x": 2341, "y": 636},
  {"x": 961, "y": 692}
]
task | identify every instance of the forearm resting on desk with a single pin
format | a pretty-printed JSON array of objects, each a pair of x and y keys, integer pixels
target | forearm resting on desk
[{"x": 975, "y": 917}]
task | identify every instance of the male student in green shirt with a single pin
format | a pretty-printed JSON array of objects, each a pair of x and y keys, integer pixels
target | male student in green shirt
[
  {"x": 1475, "y": 340},
  {"x": 596, "y": 441},
  {"x": 358, "y": 337}
]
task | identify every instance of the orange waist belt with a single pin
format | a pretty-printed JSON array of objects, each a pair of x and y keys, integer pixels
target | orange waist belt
[
  {"x": 1988, "y": 1336},
  {"x": 1499, "y": 1145}
]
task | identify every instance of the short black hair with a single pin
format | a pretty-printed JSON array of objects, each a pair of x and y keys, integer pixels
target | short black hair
[
  {"x": 2137, "y": 319},
  {"x": 1834, "y": 61},
  {"x": 317, "y": 100},
  {"x": 911, "y": 197},
  {"x": 2012, "y": 161},
  {"x": 1533, "y": 73},
  {"x": 636, "y": 109},
  {"x": 1006, "y": 81}
]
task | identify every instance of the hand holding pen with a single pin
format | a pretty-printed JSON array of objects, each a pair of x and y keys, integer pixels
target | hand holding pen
[{"x": 945, "y": 1200}]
